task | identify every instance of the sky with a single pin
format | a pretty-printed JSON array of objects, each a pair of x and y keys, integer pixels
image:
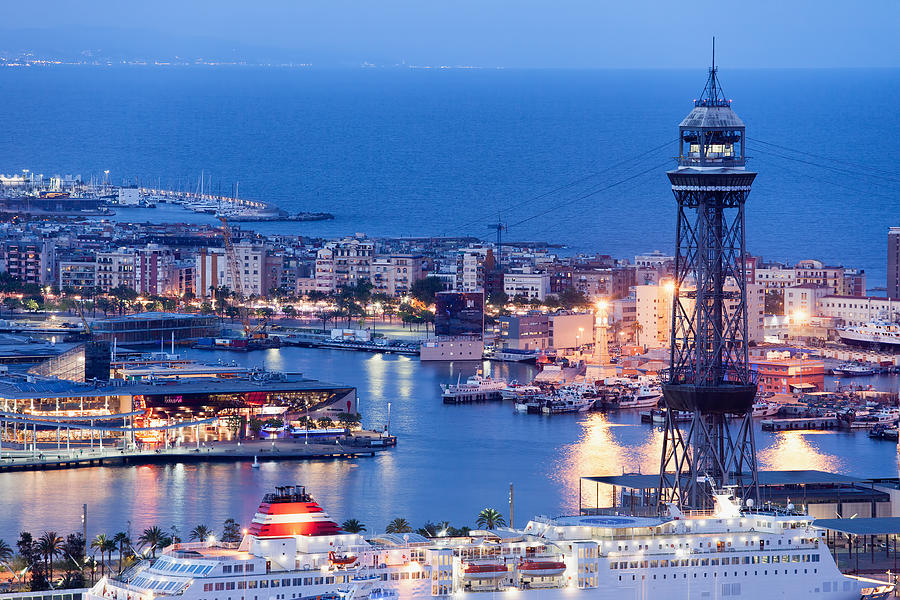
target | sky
[{"x": 489, "y": 33}]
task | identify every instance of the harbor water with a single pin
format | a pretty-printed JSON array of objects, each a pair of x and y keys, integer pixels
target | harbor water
[{"x": 451, "y": 461}]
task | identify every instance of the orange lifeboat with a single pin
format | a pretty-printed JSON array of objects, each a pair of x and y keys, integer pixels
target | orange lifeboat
[
  {"x": 541, "y": 568},
  {"x": 341, "y": 562},
  {"x": 484, "y": 571}
]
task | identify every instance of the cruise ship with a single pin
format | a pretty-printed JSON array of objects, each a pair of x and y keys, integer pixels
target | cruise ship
[
  {"x": 293, "y": 550},
  {"x": 873, "y": 333}
]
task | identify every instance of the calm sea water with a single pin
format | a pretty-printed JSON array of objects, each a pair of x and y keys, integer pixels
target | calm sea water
[
  {"x": 451, "y": 461},
  {"x": 445, "y": 152}
]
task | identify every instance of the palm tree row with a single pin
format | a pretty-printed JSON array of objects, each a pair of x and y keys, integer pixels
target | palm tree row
[{"x": 488, "y": 518}]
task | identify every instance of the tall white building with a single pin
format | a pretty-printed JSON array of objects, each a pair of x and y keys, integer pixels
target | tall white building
[
  {"x": 534, "y": 286},
  {"x": 213, "y": 271}
]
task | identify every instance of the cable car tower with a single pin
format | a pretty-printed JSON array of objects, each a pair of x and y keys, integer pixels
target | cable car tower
[{"x": 709, "y": 374}]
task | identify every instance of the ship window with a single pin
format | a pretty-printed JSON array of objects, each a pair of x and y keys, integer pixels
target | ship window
[
  {"x": 238, "y": 568},
  {"x": 226, "y": 569}
]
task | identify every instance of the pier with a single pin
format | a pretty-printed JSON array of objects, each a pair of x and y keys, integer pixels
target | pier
[
  {"x": 800, "y": 423},
  {"x": 262, "y": 451}
]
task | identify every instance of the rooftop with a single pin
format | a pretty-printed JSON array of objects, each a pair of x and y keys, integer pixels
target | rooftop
[
  {"x": 766, "y": 478},
  {"x": 18, "y": 388},
  {"x": 853, "y": 526}
]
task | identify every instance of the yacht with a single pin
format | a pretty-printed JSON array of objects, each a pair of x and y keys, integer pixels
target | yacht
[
  {"x": 873, "y": 333},
  {"x": 852, "y": 370},
  {"x": 476, "y": 389},
  {"x": 517, "y": 391},
  {"x": 642, "y": 397},
  {"x": 293, "y": 550},
  {"x": 765, "y": 409}
]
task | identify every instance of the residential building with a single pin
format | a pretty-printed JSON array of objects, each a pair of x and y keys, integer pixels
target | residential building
[
  {"x": 802, "y": 300},
  {"x": 395, "y": 274},
  {"x": 213, "y": 271},
  {"x": 115, "y": 268},
  {"x": 533, "y": 286},
  {"x": 814, "y": 271},
  {"x": 154, "y": 270},
  {"x": 29, "y": 260},
  {"x": 78, "y": 274},
  {"x": 471, "y": 264},
  {"x": 854, "y": 282},
  {"x": 893, "y": 263},
  {"x": 855, "y": 311}
]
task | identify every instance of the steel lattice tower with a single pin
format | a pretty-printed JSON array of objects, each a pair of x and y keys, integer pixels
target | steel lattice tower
[{"x": 709, "y": 374}]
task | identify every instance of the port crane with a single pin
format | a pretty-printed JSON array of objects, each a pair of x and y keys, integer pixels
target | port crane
[{"x": 234, "y": 269}]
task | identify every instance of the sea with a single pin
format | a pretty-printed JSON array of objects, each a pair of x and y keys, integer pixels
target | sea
[
  {"x": 571, "y": 157},
  {"x": 450, "y": 461},
  {"x": 575, "y": 158}
]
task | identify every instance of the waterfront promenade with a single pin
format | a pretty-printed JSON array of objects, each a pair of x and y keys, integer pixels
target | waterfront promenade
[{"x": 51, "y": 458}]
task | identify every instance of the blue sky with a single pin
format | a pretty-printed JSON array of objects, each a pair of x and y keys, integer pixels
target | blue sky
[{"x": 523, "y": 33}]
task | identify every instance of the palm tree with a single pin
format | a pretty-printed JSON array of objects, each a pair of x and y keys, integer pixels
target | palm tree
[
  {"x": 50, "y": 545},
  {"x": 200, "y": 532},
  {"x": 353, "y": 526},
  {"x": 121, "y": 539},
  {"x": 6, "y": 551},
  {"x": 399, "y": 525},
  {"x": 109, "y": 545},
  {"x": 152, "y": 538},
  {"x": 490, "y": 518},
  {"x": 636, "y": 329},
  {"x": 100, "y": 543}
]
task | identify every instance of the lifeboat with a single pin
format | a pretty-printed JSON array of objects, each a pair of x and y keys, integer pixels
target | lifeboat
[
  {"x": 489, "y": 571},
  {"x": 541, "y": 568},
  {"x": 341, "y": 561}
]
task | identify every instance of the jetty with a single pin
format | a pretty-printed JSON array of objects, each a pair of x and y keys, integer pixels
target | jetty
[
  {"x": 281, "y": 450},
  {"x": 800, "y": 423}
]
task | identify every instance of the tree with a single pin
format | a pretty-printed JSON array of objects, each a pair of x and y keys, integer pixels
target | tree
[
  {"x": 31, "y": 305},
  {"x": 571, "y": 298},
  {"x": 123, "y": 541},
  {"x": 11, "y": 303},
  {"x": 6, "y": 551},
  {"x": 353, "y": 526},
  {"x": 49, "y": 546},
  {"x": 26, "y": 548},
  {"x": 490, "y": 518},
  {"x": 101, "y": 543},
  {"x": 636, "y": 329},
  {"x": 231, "y": 531},
  {"x": 424, "y": 290},
  {"x": 497, "y": 299},
  {"x": 774, "y": 302},
  {"x": 200, "y": 532},
  {"x": 325, "y": 423},
  {"x": 399, "y": 525},
  {"x": 348, "y": 419},
  {"x": 74, "y": 551},
  {"x": 152, "y": 538},
  {"x": 289, "y": 311}
]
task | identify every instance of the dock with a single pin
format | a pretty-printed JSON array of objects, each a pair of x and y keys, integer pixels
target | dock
[
  {"x": 281, "y": 450},
  {"x": 800, "y": 423}
]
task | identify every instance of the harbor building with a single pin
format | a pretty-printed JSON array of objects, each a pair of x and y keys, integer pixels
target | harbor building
[
  {"x": 155, "y": 327},
  {"x": 163, "y": 395},
  {"x": 788, "y": 372},
  {"x": 458, "y": 328}
]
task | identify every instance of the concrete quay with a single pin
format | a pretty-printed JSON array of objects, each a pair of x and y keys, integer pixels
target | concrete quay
[{"x": 51, "y": 458}]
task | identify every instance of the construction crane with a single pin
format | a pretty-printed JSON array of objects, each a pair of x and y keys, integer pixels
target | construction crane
[{"x": 234, "y": 268}]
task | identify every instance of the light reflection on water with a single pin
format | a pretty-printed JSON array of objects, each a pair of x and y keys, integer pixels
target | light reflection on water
[{"x": 450, "y": 462}]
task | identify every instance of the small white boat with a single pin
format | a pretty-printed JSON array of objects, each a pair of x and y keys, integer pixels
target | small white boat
[
  {"x": 642, "y": 397},
  {"x": 255, "y": 464}
]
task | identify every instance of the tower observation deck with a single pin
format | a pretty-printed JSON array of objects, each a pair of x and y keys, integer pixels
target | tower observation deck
[{"x": 709, "y": 374}]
